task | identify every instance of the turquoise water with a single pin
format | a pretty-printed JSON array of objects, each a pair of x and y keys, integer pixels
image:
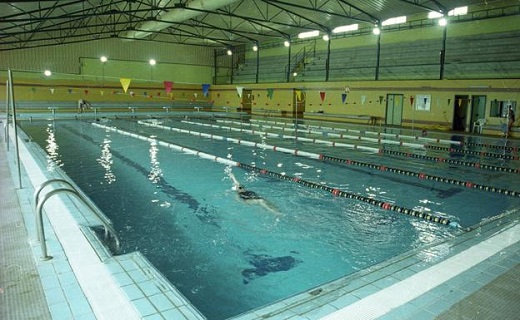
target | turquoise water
[{"x": 228, "y": 257}]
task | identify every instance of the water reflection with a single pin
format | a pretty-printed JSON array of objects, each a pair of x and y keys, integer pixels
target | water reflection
[
  {"x": 52, "y": 147},
  {"x": 106, "y": 161},
  {"x": 155, "y": 169}
]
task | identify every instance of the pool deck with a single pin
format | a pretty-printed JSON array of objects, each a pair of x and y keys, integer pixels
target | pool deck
[{"x": 474, "y": 276}]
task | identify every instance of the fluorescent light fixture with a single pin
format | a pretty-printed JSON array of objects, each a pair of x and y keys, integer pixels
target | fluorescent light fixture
[
  {"x": 287, "y": 43},
  {"x": 396, "y": 20},
  {"x": 103, "y": 59},
  {"x": 460, "y": 11},
  {"x": 376, "y": 31},
  {"x": 443, "y": 22},
  {"x": 326, "y": 37},
  {"x": 152, "y": 62},
  {"x": 350, "y": 27},
  {"x": 47, "y": 73},
  {"x": 434, "y": 15},
  {"x": 308, "y": 34}
]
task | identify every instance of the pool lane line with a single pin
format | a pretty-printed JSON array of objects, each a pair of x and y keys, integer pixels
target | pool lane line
[
  {"x": 399, "y": 142},
  {"x": 316, "y": 156},
  {"x": 436, "y": 140},
  {"x": 471, "y": 152},
  {"x": 332, "y": 134},
  {"x": 334, "y": 191},
  {"x": 380, "y": 151}
]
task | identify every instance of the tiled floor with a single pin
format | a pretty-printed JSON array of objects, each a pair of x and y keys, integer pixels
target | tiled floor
[{"x": 481, "y": 265}]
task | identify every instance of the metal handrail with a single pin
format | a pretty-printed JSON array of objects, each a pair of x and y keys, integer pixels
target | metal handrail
[{"x": 72, "y": 190}]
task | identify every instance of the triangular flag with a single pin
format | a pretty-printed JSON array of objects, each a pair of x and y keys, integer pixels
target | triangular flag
[
  {"x": 125, "y": 83},
  {"x": 240, "y": 90},
  {"x": 195, "y": 94},
  {"x": 205, "y": 89},
  {"x": 33, "y": 90},
  {"x": 381, "y": 99},
  {"x": 298, "y": 94},
  {"x": 270, "y": 93},
  {"x": 52, "y": 90},
  {"x": 411, "y": 100},
  {"x": 168, "y": 85},
  {"x": 363, "y": 99},
  {"x": 343, "y": 97},
  {"x": 145, "y": 93},
  {"x": 322, "y": 95},
  {"x": 102, "y": 93},
  {"x": 347, "y": 89},
  {"x": 459, "y": 102},
  {"x": 158, "y": 94},
  {"x": 69, "y": 90},
  {"x": 86, "y": 92}
]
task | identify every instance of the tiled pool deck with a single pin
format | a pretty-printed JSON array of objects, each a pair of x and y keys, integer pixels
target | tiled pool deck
[{"x": 83, "y": 281}]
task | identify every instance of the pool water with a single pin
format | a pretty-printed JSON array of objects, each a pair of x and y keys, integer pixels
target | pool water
[{"x": 227, "y": 256}]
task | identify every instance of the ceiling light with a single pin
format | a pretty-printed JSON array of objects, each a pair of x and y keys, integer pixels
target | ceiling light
[
  {"x": 434, "y": 15},
  {"x": 460, "y": 11},
  {"x": 396, "y": 20},
  {"x": 308, "y": 34},
  {"x": 350, "y": 27}
]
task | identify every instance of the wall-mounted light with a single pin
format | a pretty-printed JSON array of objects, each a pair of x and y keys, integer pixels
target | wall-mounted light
[
  {"x": 152, "y": 62},
  {"x": 255, "y": 47},
  {"x": 103, "y": 59},
  {"x": 376, "y": 31},
  {"x": 443, "y": 22},
  {"x": 47, "y": 73},
  {"x": 287, "y": 43},
  {"x": 229, "y": 52},
  {"x": 326, "y": 37}
]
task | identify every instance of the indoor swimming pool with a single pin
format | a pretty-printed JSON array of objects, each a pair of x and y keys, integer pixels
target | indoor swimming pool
[{"x": 340, "y": 199}]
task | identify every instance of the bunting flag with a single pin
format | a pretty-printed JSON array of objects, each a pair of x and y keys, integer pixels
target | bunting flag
[
  {"x": 411, "y": 100},
  {"x": 52, "y": 90},
  {"x": 239, "y": 91},
  {"x": 69, "y": 90},
  {"x": 298, "y": 94},
  {"x": 363, "y": 99},
  {"x": 145, "y": 94},
  {"x": 86, "y": 92},
  {"x": 218, "y": 95},
  {"x": 125, "y": 83},
  {"x": 347, "y": 89},
  {"x": 168, "y": 85},
  {"x": 459, "y": 102},
  {"x": 158, "y": 94},
  {"x": 102, "y": 92},
  {"x": 322, "y": 95},
  {"x": 343, "y": 97},
  {"x": 33, "y": 90},
  {"x": 205, "y": 89},
  {"x": 381, "y": 99},
  {"x": 270, "y": 93}
]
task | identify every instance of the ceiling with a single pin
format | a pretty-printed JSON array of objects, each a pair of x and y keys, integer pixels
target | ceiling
[{"x": 219, "y": 23}]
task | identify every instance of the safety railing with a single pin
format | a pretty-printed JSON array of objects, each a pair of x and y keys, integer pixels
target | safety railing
[{"x": 71, "y": 189}]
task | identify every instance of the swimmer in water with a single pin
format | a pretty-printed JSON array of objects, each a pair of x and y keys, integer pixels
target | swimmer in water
[{"x": 251, "y": 197}]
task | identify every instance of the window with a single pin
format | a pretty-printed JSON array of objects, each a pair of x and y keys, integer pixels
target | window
[{"x": 499, "y": 108}]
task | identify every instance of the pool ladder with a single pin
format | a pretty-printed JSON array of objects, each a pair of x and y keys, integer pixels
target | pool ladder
[{"x": 69, "y": 188}]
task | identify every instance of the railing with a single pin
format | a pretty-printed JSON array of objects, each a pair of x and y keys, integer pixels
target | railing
[{"x": 69, "y": 188}]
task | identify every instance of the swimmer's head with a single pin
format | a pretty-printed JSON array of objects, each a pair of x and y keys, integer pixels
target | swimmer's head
[{"x": 238, "y": 188}]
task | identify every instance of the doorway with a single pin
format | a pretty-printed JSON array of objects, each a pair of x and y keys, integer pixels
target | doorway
[
  {"x": 478, "y": 108},
  {"x": 247, "y": 99},
  {"x": 394, "y": 109},
  {"x": 460, "y": 110}
]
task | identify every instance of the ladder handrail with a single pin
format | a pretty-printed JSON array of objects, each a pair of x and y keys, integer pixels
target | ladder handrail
[{"x": 72, "y": 190}]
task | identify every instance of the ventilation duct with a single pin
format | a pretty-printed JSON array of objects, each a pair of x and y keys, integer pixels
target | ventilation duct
[{"x": 181, "y": 13}]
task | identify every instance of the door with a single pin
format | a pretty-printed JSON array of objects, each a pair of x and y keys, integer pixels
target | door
[
  {"x": 478, "y": 108},
  {"x": 460, "y": 110},
  {"x": 394, "y": 109},
  {"x": 247, "y": 97}
]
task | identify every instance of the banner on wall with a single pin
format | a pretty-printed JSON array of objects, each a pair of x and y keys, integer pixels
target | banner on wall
[
  {"x": 52, "y": 90},
  {"x": 168, "y": 85},
  {"x": 363, "y": 99},
  {"x": 125, "y": 83},
  {"x": 205, "y": 89}
]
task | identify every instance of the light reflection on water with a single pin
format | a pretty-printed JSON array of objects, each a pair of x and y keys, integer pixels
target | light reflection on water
[
  {"x": 53, "y": 156},
  {"x": 106, "y": 161}
]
